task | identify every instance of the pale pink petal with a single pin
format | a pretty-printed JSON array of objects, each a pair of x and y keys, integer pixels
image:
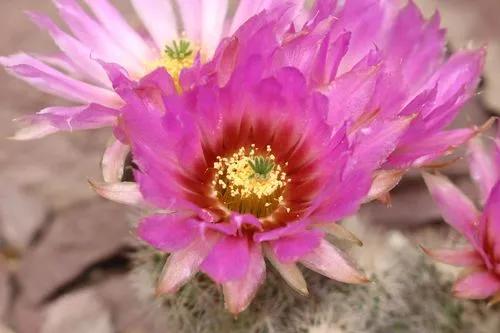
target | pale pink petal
[
  {"x": 60, "y": 61},
  {"x": 35, "y": 130},
  {"x": 159, "y": 18},
  {"x": 228, "y": 260},
  {"x": 91, "y": 33},
  {"x": 213, "y": 18},
  {"x": 477, "y": 285},
  {"x": 79, "y": 53},
  {"x": 113, "y": 161},
  {"x": 238, "y": 294},
  {"x": 290, "y": 272},
  {"x": 333, "y": 263},
  {"x": 127, "y": 193},
  {"x": 191, "y": 18},
  {"x": 55, "y": 119},
  {"x": 457, "y": 210},
  {"x": 120, "y": 30},
  {"x": 182, "y": 265},
  {"x": 340, "y": 232},
  {"x": 482, "y": 167},
  {"x": 49, "y": 80},
  {"x": 457, "y": 257},
  {"x": 383, "y": 182}
]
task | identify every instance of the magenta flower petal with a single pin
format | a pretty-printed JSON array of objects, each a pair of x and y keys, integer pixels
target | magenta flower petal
[
  {"x": 351, "y": 93},
  {"x": 277, "y": 233},
  {"x": 168, "y": 232},
  {"x": 460, "y": 72},
  {"x": 328, "y": 60},
  {"x": 229, "y": 259},
  {"x": 458, "y": 257},
  {"x": 418, "y": 153},
  {"x": 333, "y": 263},
  {"x": 293, "y": 247},
  {"x": 477, "y": 285},
  {"x": 456, "y": 208},
  {"x": 491, "y": 219},
  {"x": 239, "y": 293},
  {"x": 496, "y": 151},
  {"x": 249, "y": 8}
]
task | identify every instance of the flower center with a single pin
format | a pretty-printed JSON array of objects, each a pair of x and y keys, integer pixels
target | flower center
[
  {"x": 250, "y": 181},
  {"x": 175, "y": 58}
]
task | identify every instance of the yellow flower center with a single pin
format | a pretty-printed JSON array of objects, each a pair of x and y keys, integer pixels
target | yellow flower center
[
  {"x": 174, "y": 59},
  {"x": 250, "y": 181}
]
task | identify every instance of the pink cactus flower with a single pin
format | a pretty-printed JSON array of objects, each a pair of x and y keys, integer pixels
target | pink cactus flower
[
  {"x": 75, "y": 75},
  {"x": 286, "y": 131},
  {"x": 481, "y": 279},
  {"x": 238, "y": 175}
]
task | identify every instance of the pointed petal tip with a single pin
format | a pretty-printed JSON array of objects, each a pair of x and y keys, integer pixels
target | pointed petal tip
[
  {"x": 434, "y": 179},
  {"x": 340, "y": 232},
  {"x": 32, "y": 131},
  {"x": 127, "y": 193},
  {"x": 486, "y": 126},
  {"x": 494, "y": 301},
  {"x": 361, "y": 278},
  {"x": 161, "y": 291}
]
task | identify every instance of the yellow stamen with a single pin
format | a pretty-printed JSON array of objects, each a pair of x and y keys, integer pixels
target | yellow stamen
[
  {"x": 250, "y": 182},
  {"x": 174, "y": 60}
]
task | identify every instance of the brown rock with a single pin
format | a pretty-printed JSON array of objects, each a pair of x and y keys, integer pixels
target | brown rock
[
  {"x": 5, "y": 289},
  {"x": 5, "y": 329},
  {"x": 80, "y": 312},
  {"x": 129, "y": 316},
  {"x": 21, "y": 216},
  {"x": 26, "y": 317},
  {"x": 79, "y": 237}
]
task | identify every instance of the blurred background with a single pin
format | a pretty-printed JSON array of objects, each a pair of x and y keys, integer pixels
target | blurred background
[{"x": 65, "y": 253}]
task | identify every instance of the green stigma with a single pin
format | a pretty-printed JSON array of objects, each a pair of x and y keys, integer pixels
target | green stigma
[
  {"x": 261, "y": 166},
  {"x": 179, "y": 51}
]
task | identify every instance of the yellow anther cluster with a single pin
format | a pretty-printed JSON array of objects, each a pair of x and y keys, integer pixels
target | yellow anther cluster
[
  {"x": 241, "y": 186},
  {"x": 174, "y": 66}
]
